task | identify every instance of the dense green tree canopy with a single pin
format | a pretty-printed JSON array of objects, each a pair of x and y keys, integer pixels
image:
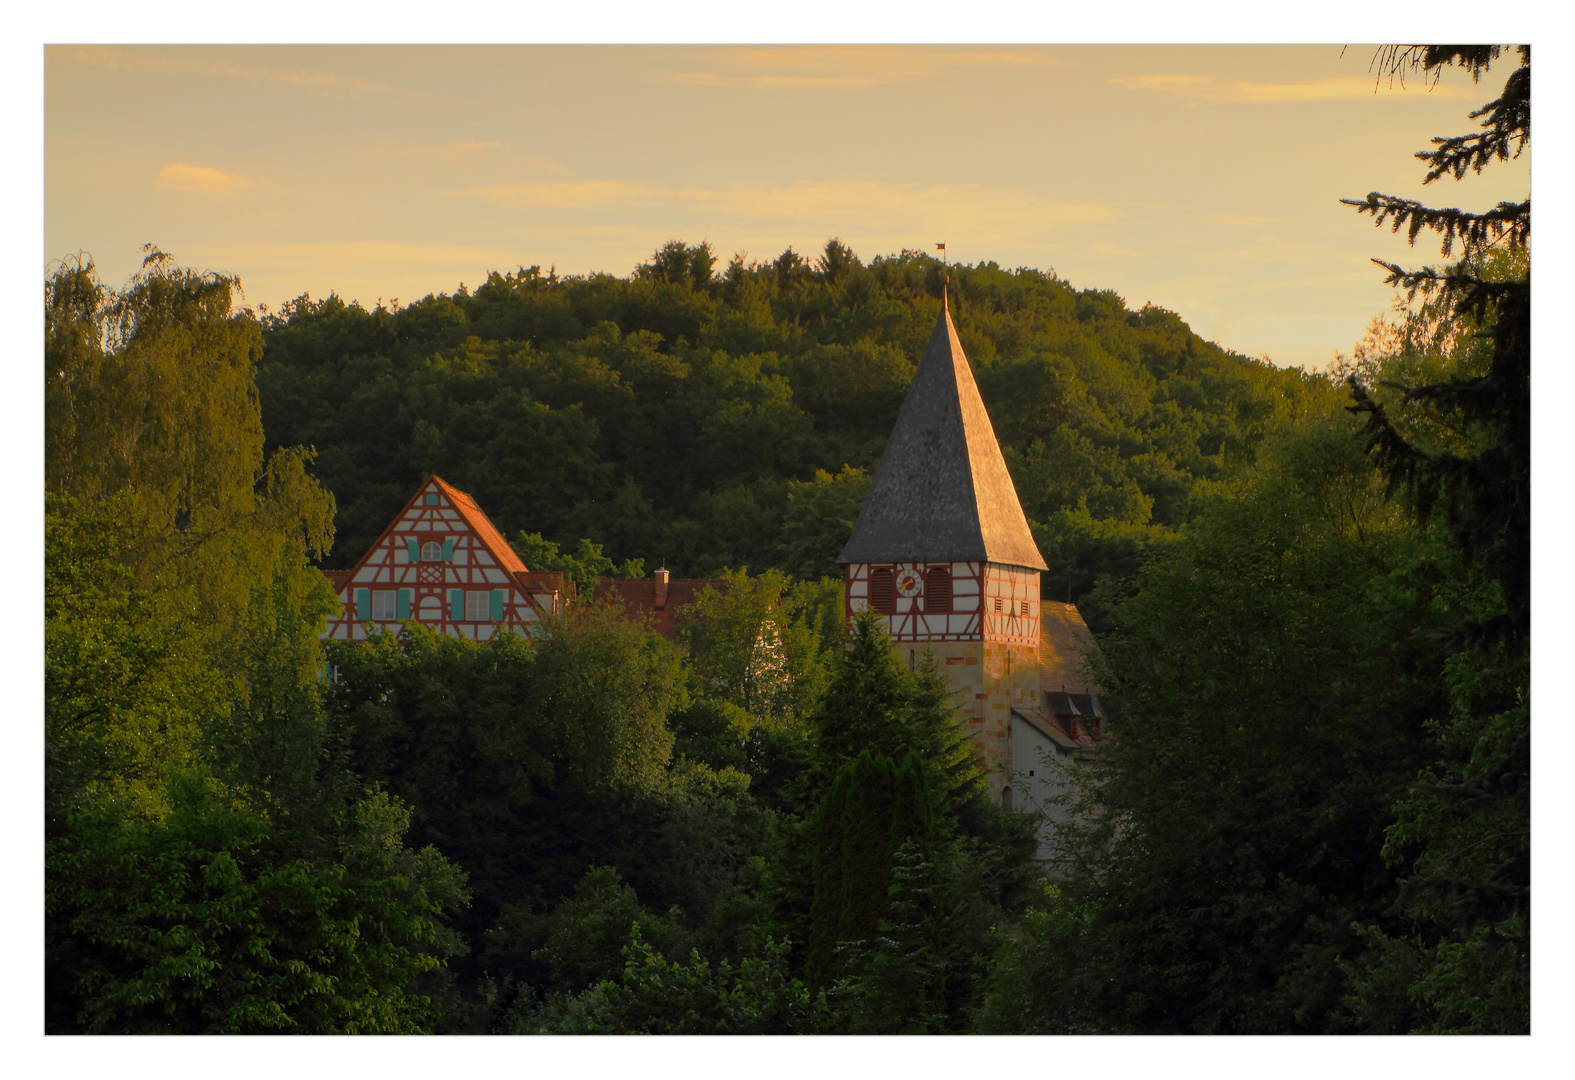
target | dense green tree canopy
[
  {"x": 710, "y": 420},
  {"x": 206, "y": 871}
]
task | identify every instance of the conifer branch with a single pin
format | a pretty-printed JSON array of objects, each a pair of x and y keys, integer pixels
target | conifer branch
[
  {"x": 1507, "y": 220},
  {"x": 1396, "y": 60},
  {"x": 1508, "y": 122},
  {"x": 1464, "y": 292}
]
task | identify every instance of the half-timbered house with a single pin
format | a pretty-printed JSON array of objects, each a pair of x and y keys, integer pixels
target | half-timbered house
[{"x": 442, "y": 563}]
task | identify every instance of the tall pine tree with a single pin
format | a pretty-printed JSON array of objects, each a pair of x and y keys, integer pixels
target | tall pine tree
[{"x": 1463, "y": 834}]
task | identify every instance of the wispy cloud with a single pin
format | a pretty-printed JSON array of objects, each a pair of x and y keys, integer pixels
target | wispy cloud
[
  {"x": 200, "y": 178},
  {"x": 1200, "y": 88},
  {"x": 578, "y": 194},
  {"x": 270, "y": 256},
  {"x": 1175, "y": 84},
  {"x": 175, "y": 62},
  {"x": 845, "y": 67},
  {"x": 771, "y": 82},
  {"x": 452, "y": 151},
  {"x": 1249, "y": 220},
  {"x": 830, "y": 206}
]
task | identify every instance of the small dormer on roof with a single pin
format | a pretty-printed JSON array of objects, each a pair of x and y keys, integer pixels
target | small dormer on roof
[{"x": 941, "y": 491}]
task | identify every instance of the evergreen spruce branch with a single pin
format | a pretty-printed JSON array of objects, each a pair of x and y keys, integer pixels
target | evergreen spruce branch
[
  {"x": 1459, "y": 291},
  {"x": 1444, "y": 478},
  {"x": 1396, "y": 60},
  {"x": 1427, "y": 280},
  {"x": 1474, "y": 59},
  {"x": 1507, "y": 120},
  {"x": 1473, "y": 231},
  {"x": 1508, "y": 124},
  {"x": 1483, "y": 519}
]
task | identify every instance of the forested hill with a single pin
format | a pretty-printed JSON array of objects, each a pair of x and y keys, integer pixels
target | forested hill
[
  {"x": 1310, "y": 815},
  {"x": 716, "y": 419}
]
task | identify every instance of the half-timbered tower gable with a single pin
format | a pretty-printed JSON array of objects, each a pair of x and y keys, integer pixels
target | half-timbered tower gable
[
  {"x": 949, "y": 601},
  {"x": 442, "y": 563}
]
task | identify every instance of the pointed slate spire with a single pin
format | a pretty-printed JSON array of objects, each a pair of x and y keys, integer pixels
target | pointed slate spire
[{"x": 941, "y": 492}]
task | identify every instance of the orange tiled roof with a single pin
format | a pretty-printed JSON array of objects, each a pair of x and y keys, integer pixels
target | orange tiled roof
[
  {"x": 540, "y": 580},
  {"x": 481, "y": 525},
  {"x": 337, "y": 578}
]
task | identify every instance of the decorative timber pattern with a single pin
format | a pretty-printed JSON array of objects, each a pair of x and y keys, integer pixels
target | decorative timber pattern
[
  {"x": 442, "y": 563},
  {"x": 948, "y": 601}
]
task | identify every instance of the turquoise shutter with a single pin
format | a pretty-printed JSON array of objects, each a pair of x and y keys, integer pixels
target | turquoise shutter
[
  {"x": 415, "y": 549},
  {"x": 448, "y": 550},
  {"x": 497, "y": 605},
  {"x": 404, "y": 604},
  {"x": 456, "y": 604},
  {"x": 363, "y": 604}
]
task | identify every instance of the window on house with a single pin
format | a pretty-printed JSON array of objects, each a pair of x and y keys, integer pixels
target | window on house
[
  {"x": 938, "y": 590},
  {"x": 997, "y": 605},
  {"x": 431, "y": 551},
  {"x": 1006, "y": 798},
  {"x": 478, "y": 606},
  {"x": 883, "y": 591},
  {"x": 383, "y": 605}
]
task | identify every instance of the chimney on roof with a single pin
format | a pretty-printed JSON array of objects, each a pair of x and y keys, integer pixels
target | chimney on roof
[{"x": 661, "y": 587}]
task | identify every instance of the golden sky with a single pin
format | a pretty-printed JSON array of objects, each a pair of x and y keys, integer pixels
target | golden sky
[{"x": 1205, "y": 179}]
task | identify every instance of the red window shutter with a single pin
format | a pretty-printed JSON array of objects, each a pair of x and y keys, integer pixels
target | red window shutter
[
  {"x": 883, "y": 591},
  {"x": 938, "y": 590}
]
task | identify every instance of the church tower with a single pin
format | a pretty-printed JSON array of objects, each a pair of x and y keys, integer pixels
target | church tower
[{"x": 943, "y": 551}]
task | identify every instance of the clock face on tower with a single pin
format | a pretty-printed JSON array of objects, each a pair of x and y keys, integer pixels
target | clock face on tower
[{"x": 908, "y": 583}]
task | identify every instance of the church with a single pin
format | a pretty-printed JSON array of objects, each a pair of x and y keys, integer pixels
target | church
[{"x": 943, "y": 551}]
